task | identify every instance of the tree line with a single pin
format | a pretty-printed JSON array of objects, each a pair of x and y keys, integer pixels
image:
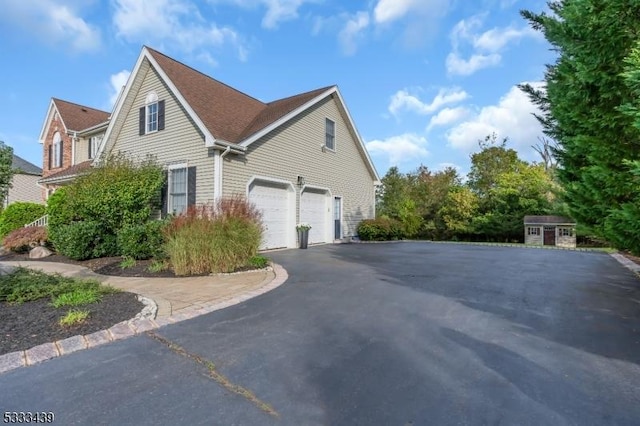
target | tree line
[{"x": 489, "y": 205}]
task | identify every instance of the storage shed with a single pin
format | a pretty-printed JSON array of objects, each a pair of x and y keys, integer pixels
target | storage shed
[{"x": 550, "y": 231}]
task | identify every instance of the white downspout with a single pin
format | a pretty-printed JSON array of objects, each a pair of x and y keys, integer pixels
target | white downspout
[
  {"x": 74, "y": 140},
  {"x": 217, "y": 161}
]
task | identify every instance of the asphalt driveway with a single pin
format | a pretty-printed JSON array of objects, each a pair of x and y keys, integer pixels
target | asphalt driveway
[{"x": 381, "y": 334}]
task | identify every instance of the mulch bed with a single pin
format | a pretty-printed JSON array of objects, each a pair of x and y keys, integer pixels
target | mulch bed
[
  {"x": 30, "y": 324},
  {"x": 103, "y": 265}
]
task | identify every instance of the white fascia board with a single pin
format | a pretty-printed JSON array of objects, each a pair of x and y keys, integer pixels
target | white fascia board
[
  {"x": 251, "y": 139},
  {"x": 94, "y": 129},
  {"x": 47, "y": 121},
  {"x": 118, "y": 107},
  {"x": 208, "y": 137},
  {"x": 360, "y": 141}
]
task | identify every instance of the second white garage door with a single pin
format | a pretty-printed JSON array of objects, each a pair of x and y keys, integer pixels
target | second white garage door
[
  {"x": 274, "y": 201},
  {"x": 314, "y": 210}
]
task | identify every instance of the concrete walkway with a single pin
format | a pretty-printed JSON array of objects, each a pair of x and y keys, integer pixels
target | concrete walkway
[{"x": 176, "y": 299}]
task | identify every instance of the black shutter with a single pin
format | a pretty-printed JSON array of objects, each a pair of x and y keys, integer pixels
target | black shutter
[
  {"x": 191, "y": 186},
  {"x": 141, "y": 122},
  {"x": 61, "y": 148},
  {"x": 160, "y": 115},
  {"x": 89, "y": 152},
  {"x": 50, "y": 156},
  {"x": 164, "y": 195}
]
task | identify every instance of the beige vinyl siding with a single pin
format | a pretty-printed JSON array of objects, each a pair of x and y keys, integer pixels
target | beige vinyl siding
[
  {"x": 82, "y": 150},
  {"x": 179, "y": 142},
  {"x": 24, "y": 188},
  {"x": 294, "y": 150},
  {"x": 533, "y": 239}
]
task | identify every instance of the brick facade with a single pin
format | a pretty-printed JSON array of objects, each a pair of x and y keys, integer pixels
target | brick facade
[{"x": 56, "y": 125}]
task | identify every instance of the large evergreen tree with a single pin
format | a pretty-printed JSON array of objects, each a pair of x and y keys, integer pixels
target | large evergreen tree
[{"x": 581, "y": 108}]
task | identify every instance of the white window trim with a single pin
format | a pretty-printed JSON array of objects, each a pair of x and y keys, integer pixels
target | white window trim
[
  {"x": 171, "y": 167},
  {"x": 57, "y": 154},
  {"x": 152, "y": 99},
  {"x": 334, "y": 134}
]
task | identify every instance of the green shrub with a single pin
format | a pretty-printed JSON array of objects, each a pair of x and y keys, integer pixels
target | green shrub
[
  {"x": 381, "y": 229},
  {"x": 74, "y": 317},
  {"x": 221, "y": 238},
  {"x": 119, "y": 193},
  {"x": 141, "y": 241},
  {"x": 78, "y": 297},
  {"x": 259, "y": 262},
  {"x": 16, "y": 215},
  {"x": 85, "y": 240},
  {"x": 23, "y": 239},
  {"x": 24, "y": 285}
]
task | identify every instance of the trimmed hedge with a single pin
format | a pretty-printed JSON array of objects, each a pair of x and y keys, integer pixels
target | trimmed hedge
[
  {"x": 18, "y": 214},
  {"x": 381, "y": 229},
  {"x": 142, "y": 241},
  {"x": 85, "y": 240}
]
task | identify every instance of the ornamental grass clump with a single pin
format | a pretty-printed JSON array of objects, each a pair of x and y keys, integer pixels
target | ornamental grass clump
[{"x": 211, "y": 239}]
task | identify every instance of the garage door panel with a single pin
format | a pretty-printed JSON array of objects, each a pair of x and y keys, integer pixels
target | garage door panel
[
  {"x": 314, "y": 211},
  {"x": 273, "y": 202}
]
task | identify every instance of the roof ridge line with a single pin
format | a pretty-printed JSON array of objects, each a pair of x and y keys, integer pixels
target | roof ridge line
[{"x": 203, "y": 74}]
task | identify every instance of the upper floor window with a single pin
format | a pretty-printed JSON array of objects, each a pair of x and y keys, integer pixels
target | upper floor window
[
  {"x": 55, "y": 151},
  {"x": 152, "y": 115},
  {"x": 94, "y": 144},
  {"x": 330, "y": 134}
]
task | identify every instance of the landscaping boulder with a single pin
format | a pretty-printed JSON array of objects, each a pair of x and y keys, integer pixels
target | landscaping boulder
[
  {"x": 6, "y": 269},
  {"x": 39, "y": 252}
]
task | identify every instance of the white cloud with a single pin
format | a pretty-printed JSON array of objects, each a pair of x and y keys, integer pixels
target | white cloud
[
  {"x": 55, "y": 21},
  {"x": 391, "y": 10},
  {"x": 460, "y": 66},
  {"x": 448, "y": 116},
  {"x": 117, "y": 82},
  {"x": 486, "y": 46},
  {"x": 399, "y": 149},
  {"x": 512, "y": 117},
  {"x": 172, "y": 21},
  {"x": 277, "y": 10},
  {"x": 352, "y": 32},
  {"x": 403, "y": 100},
  {"x": 496, "y": 39}
]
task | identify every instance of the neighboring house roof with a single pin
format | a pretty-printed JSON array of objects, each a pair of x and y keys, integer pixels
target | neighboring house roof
[
  {"x": 20, "y": 165},
  {"x": 69, "y": 173},
  {"x": 79, "y": 117},
  {"x": 548, "y": 220}
]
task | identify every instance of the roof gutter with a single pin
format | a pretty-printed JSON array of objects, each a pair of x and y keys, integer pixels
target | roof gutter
[{"x": 217, "y": 143}]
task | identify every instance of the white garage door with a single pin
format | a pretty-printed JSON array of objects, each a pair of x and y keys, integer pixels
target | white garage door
[
  {"x": 314, "y": 210},
  {"x": 273, "y": 201}
]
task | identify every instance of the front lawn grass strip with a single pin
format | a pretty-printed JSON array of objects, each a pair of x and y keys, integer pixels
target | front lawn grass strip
[{"x": 215, "y": 375}]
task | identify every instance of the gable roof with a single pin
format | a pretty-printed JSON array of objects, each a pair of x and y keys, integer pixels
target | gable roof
[
  {"x": 226, "y": 116},
  {"x": 225, "y": 111},
  {"x": 548, "y": 220},
  {"x": 22, "y": 166},
  {"x": 78, "y": 117}
]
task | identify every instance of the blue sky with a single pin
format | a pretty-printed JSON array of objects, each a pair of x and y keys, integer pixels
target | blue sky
[{"x": 423, "y": 79}]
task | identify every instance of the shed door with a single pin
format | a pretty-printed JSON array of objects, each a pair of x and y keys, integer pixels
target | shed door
[
  {"x": 273, "y": 202},
  {"x": 549, "y": 235}
]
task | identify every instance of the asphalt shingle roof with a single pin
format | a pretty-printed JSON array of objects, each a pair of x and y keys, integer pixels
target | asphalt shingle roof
[
  {"x": 227, "y": 113},
  {"x": 20, "y": 165},
  {"x": 79, "y": 117},
  {"x": 548, "y": 219}
]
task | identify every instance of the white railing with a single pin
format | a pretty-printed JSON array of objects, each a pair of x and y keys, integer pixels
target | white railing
[{"x": 42, "y": 221}]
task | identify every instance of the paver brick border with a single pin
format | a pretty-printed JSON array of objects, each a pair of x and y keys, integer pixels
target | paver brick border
[{"x": 141, "y": 323}]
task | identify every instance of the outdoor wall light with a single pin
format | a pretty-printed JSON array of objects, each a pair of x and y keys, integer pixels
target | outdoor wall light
[{"x": 301, "y": 181}]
